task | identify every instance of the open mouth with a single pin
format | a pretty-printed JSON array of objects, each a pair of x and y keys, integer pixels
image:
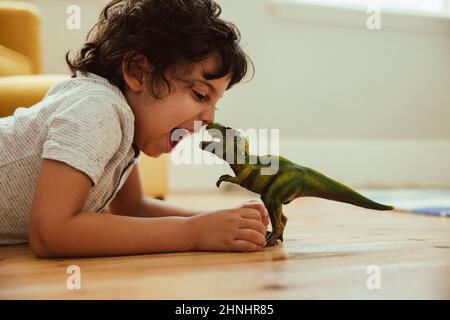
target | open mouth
[{"x": 176, "y": 135}]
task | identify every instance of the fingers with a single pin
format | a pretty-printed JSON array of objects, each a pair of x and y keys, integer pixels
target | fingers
[
  {"x": 250, "y": 213},
  {"x": 253, "y": 224},
  {"x": 242, "y": 245},
  {"x": 258, "y": 205},
  {"x": 250, "y": 235}
]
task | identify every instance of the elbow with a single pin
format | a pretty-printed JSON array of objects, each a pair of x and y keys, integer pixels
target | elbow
[
  {"x": 37, "y": 247},
  {"x": 42, "y": 244}
]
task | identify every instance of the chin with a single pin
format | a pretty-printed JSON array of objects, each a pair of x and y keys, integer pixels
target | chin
[
  {"x": 153, "y": 153},
  {"x": 156, "y": 148}
]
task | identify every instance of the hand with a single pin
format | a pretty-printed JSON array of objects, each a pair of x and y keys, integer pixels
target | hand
[
  {"x": 238, "y": 229},
  {"x": 258, "y": 205}
]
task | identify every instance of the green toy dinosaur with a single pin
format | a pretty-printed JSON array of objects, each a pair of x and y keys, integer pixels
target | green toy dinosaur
[{"x": 288, "y": 183}]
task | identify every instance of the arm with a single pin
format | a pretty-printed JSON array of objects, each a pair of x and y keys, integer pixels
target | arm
[
  {"x": 131, "y": 201},
  {"x": 59, "y": 228},
  {"x": 149, "y": 207}
]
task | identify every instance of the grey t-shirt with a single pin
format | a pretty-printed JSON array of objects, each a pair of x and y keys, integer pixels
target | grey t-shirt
[{"x": 84, "y": 122}]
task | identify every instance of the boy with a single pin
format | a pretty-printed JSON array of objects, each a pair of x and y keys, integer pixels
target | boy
[{"x": 149, "y": 67}]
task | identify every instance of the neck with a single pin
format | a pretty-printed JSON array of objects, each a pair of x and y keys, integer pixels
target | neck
[{"x": 237, "y": 168}]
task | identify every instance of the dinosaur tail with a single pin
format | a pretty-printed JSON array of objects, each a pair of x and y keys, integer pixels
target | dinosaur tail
[{"x": 318, "y": 185}]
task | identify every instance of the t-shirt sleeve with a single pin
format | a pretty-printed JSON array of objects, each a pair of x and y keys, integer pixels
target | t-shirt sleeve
[{"x": 85, "y": 136}]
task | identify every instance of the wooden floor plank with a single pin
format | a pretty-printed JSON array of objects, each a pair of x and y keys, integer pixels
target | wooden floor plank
[{"x": 327, "y": 250}]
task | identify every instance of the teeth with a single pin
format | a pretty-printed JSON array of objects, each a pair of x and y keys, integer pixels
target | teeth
[{"x": 179, "y": 132}]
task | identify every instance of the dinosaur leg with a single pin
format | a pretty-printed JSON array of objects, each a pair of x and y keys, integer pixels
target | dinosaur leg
[
  {"x": 284, "y": 220},
  {"x": 274, "y": 209},
  {"x": 272, "y": 219},
  {"x": 279, "y": 192},
  {"x": 227, "y": 178}
]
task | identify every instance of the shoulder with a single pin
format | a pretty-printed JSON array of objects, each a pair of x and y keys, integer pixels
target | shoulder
[{"x": 92, "y": 98}]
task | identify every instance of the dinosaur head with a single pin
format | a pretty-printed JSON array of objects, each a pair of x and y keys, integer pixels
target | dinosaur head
[{"x": 228, "y": 144}]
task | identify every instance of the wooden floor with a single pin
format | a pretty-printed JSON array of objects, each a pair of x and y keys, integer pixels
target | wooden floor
[{"x": 326, "y": 254}]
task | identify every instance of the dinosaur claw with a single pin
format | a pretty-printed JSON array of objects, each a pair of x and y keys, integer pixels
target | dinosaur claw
[
  {"x": 222, "y": 179},
  {"x": 272, "y": 238}
]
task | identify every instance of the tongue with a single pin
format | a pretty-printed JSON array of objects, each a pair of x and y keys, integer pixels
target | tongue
[{"x": 176, "y": 135}]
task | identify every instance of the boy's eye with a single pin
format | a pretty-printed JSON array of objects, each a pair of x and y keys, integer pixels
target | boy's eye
[{"x": 200, "y": 96}]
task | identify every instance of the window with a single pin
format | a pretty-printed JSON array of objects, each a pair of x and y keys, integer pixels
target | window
[{"x": 422, "y": 6}]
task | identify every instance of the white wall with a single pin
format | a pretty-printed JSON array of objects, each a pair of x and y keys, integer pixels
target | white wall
[
  {"x": 341, "y": 82},
  {"x": 371, "y": 108},
  {"x": 57, "y": 38}
]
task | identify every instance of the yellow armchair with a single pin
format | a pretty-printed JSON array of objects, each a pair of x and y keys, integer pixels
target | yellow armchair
[
  {"x": 23, "y": 85},
  {"x": 20, "y": 32}
]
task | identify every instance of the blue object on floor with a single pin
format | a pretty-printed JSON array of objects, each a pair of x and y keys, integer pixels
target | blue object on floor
[
  {"x": 432, "y": 202},
  {"x": 434, "y": 211}
]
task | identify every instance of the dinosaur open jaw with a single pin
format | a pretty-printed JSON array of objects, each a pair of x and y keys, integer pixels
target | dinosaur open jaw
[
  {"x": 216, "y": 139},
  {"x": 216, "y": 135}
]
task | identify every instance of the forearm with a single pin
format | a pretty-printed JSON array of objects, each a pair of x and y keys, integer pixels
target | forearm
[
  {"x": 149, "y": 207},
  {"x": 94, "y": 234}
]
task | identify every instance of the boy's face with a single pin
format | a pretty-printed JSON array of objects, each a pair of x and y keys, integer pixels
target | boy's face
[{"x": 191, "y": 100}]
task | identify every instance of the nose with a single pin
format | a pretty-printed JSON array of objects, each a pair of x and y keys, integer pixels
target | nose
[{"x": 207, "y": 117}]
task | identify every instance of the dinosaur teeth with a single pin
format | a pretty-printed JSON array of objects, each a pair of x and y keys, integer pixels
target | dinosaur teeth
[{"x": 215, "y": 136}]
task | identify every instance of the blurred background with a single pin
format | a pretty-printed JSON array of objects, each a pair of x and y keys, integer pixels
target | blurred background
[{"x": 370, "y": 107}]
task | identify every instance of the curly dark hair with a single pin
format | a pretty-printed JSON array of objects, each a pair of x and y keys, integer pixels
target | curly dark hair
[{"x": 166, "y": 33}]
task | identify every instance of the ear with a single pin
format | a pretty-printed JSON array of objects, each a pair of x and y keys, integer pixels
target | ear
[{"x": 134, "y": 77}]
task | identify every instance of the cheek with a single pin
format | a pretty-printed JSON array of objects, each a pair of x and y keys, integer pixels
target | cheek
[
  {"x": 182, "y": 108},
  {"x": 163, "y": 115}
]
